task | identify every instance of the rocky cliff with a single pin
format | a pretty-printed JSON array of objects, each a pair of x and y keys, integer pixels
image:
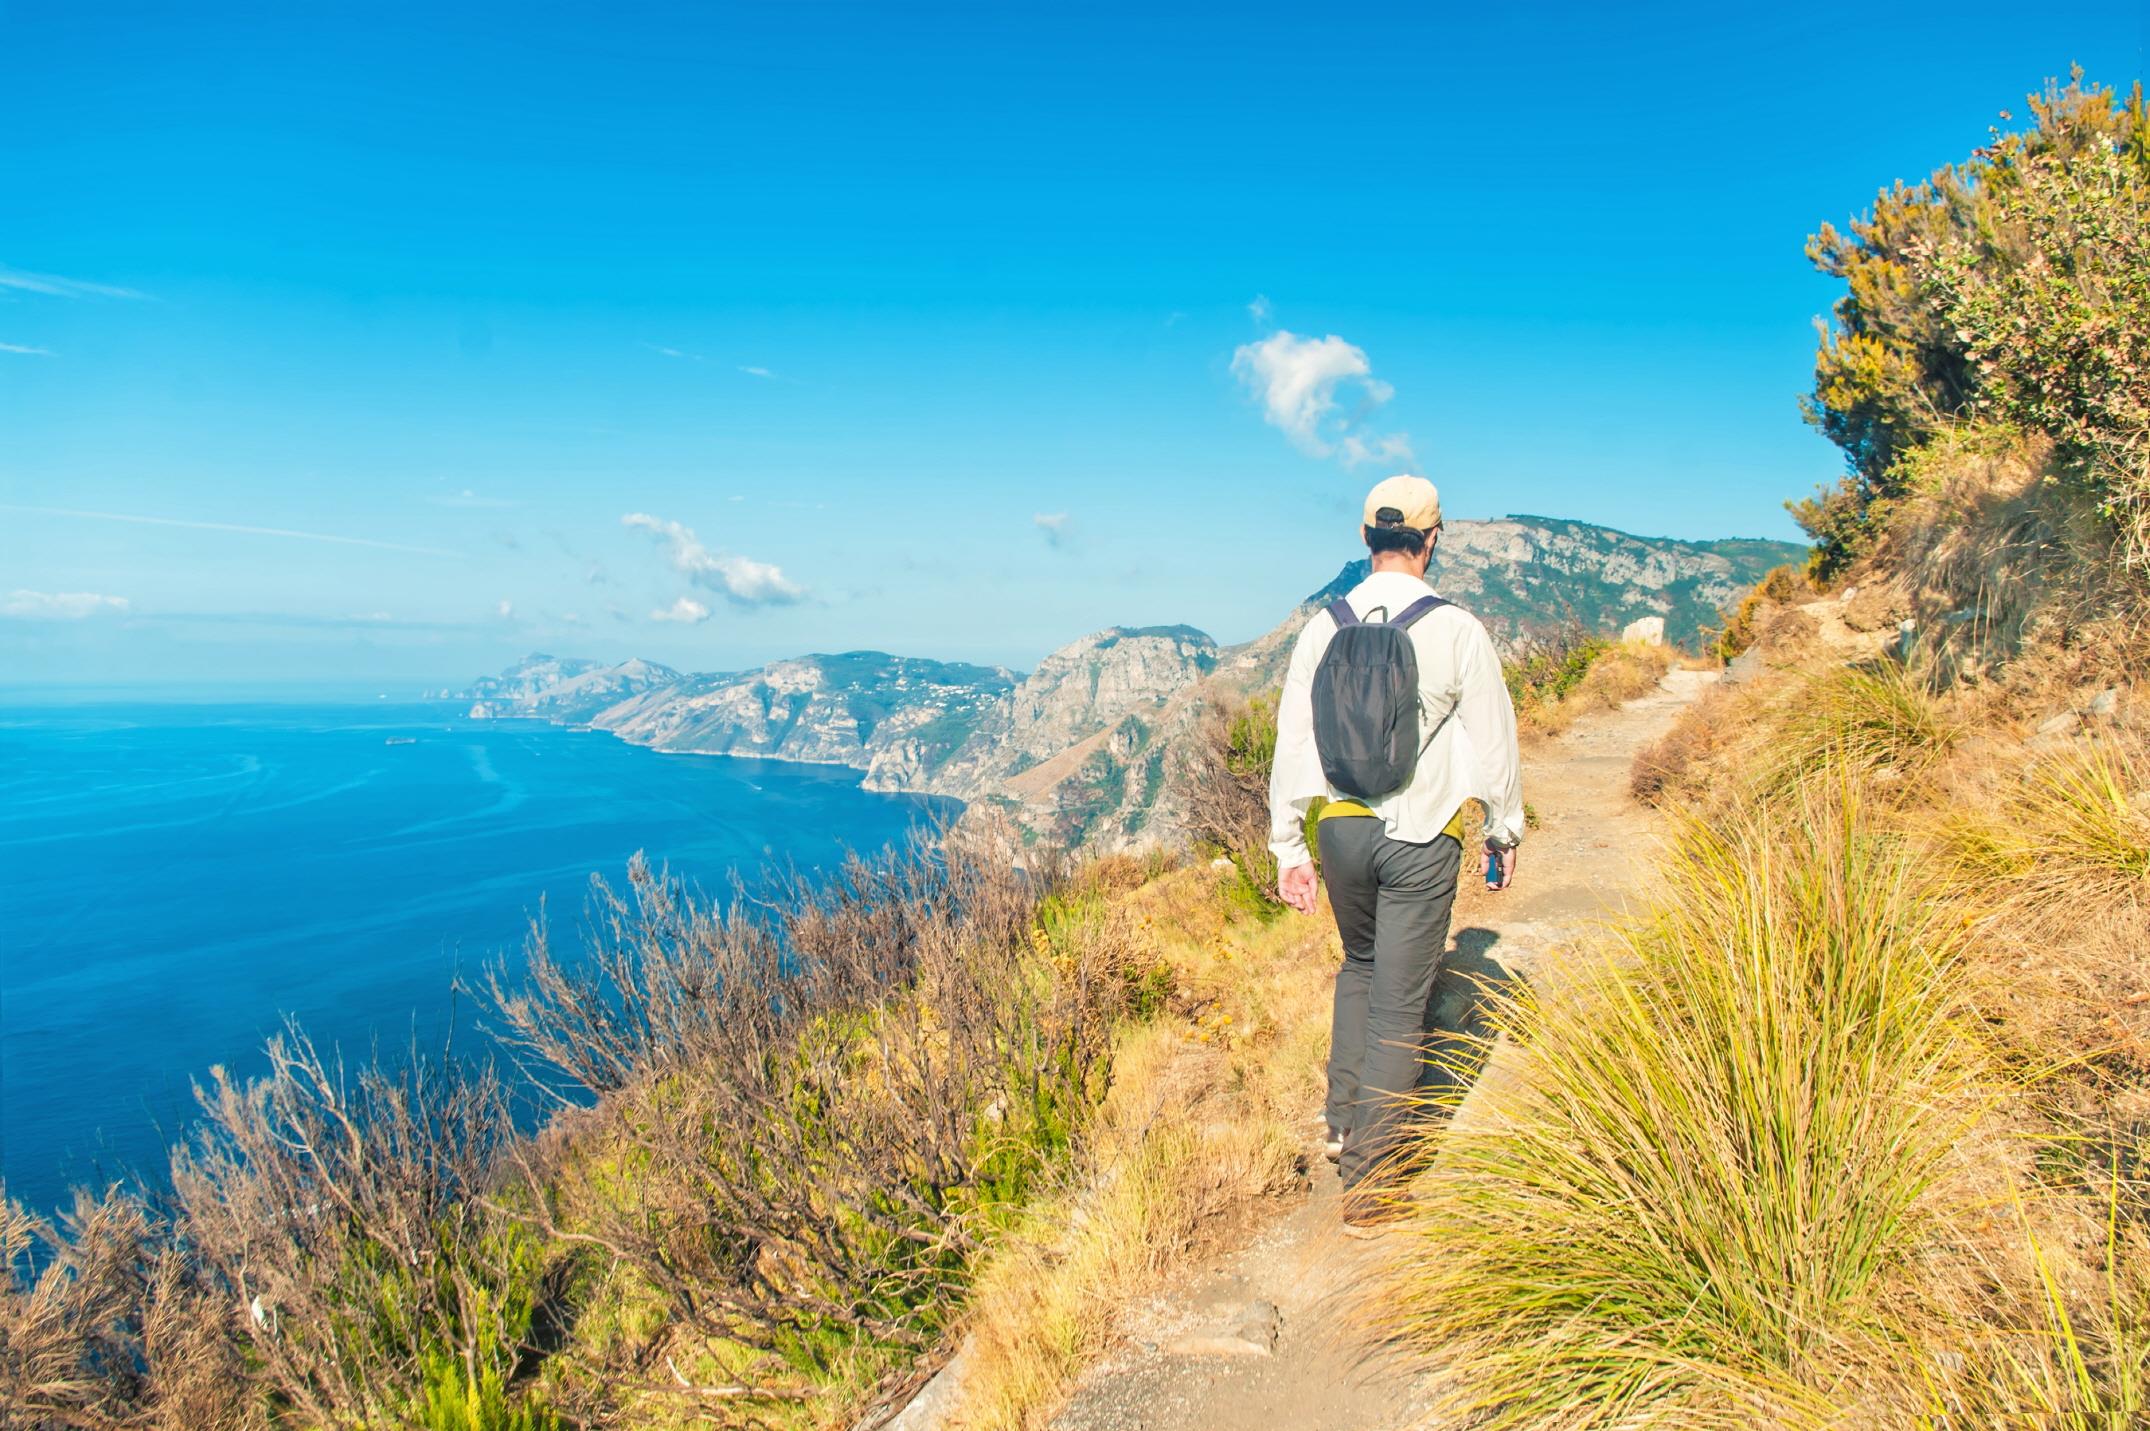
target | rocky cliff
[
  {"x": 1076, "y": 751},
  {"x": 1519, "y": 572},
  {"x": 898, "y": 718},
  {"x": 564, "y": 689},
  {"x": 1079, "y": 750}
]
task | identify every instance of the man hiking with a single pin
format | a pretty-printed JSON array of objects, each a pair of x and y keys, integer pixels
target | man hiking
[{"x": 1395, "y": 713}]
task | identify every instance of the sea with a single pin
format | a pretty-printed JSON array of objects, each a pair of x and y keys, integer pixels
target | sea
[{"x": 177, "y": 879}]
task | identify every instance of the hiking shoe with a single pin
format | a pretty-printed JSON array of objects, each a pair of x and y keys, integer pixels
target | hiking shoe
[
  {"x": 1333, "y": 1149},
  {"x": 1368, "y": 1212}
]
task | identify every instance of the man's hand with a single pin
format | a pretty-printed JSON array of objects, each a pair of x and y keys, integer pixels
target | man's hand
[
  {"x": 1502, "y": 859},
  {"x": 1295, "y": 887}
]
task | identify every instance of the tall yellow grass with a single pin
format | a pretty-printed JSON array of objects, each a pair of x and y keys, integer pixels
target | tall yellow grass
[
  {"x": 1878, "y": 719},
  {"x": 2072, "y": 824},
  {"x": 1717, "y": 1148}
]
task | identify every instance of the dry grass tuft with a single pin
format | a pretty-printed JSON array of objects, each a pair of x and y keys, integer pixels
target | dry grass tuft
[
  {"x": 1719, "y": 1149},
  {"x": 1878, "y": 721},
  {"x": 2070, "y": 825},
  {"x": 2010, "y": 570},
  {"x": 2077, "y": 1360},
  {"x": 1671, "y": 767}
]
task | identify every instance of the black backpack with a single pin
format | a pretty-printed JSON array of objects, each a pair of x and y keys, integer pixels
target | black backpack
[{"x": 1366, "y": 701}]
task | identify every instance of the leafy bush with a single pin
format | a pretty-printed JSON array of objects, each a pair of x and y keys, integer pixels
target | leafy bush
[
  {"x": 2012, "y": 284},
  {"x": 2060, "y": 338}
]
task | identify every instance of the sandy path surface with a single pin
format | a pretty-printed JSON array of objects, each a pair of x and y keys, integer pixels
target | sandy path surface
[{"x": 1276, "y": 1334}]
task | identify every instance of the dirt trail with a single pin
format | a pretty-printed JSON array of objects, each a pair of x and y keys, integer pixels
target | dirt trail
[{"x": 1274, "y": 1336}]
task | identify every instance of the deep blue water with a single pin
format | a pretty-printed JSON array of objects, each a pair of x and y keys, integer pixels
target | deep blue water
[{"x": 176, "y": 878}]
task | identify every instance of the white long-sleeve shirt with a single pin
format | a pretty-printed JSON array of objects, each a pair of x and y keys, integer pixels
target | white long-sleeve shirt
[{"x": 1467, "y": 739}]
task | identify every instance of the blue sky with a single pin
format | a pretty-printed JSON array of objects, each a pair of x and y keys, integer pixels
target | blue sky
[{"x": 412, "y": 341}]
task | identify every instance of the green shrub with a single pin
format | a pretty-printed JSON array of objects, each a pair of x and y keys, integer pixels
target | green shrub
[
  {"x": 1224, "y": 781},
  {"x": 457, "y": 1400},
  {"x": 2051, "y": 300},
  {"x": 2012, "y": 285},
  {"x": 1550, "y": 664}
]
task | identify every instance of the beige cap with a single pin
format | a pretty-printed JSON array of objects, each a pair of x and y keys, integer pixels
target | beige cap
[{"x": 1404, "y": 501}]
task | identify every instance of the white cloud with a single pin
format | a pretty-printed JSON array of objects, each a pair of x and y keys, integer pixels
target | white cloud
[
  {"x": 505, "y": 610},
  {"x": 755, "y": 371},
  {"x": 26, "y": 350},
  {"x": 60, "y": 605},
  {"x": 682, "y": 354},
  {"x": 1298, "y": 381},
  {"x": 739, "y": 580},
  {"x": 686, "y": 610},
  {"x": 1054, "y": 525},
  {"x": 1259, "y": 310},
  {"x": 54, "y": 286}
]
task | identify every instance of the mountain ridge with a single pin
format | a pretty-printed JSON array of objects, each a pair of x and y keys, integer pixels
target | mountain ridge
[{"x": 1077, "y": 749}]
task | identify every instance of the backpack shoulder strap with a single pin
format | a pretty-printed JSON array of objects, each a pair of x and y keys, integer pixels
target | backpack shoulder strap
[
  {"x": 1345, "y": 616},
  {"x": 1419, "y": 608}
]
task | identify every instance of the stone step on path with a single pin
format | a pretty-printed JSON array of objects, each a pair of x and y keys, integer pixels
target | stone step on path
[{"x": 1275, "y": 1332}]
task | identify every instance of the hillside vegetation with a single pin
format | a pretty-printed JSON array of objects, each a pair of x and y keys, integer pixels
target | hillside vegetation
[{"x": 1850, "y": 1125}]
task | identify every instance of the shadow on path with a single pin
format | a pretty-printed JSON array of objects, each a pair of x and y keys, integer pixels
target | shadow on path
[{"x": 1469, "y": 983}]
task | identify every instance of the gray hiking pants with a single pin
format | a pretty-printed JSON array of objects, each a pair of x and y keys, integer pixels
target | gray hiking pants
[{"x": 1392, "y": 902}]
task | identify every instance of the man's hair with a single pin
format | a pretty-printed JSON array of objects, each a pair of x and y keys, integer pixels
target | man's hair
[{"x": 1408, "y": 540}]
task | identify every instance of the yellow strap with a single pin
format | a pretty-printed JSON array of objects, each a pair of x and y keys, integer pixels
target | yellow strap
[
  {"x": 1348, "y": 809},
  {"x": 1342, "y": 809}
]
